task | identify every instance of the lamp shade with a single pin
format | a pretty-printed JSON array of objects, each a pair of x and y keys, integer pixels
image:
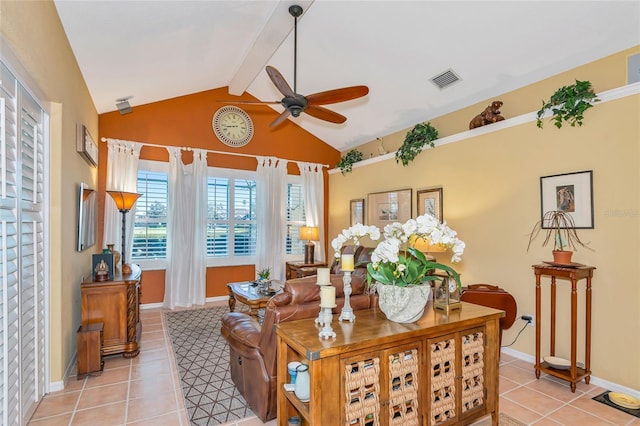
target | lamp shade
[
  {"x": 124, "y": 200},
  {"x": 310, "y": 233},
  {"x": 424, "y": 244}
]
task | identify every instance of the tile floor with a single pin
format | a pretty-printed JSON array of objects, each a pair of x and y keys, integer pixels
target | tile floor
[{"x": 145, "y": 391}]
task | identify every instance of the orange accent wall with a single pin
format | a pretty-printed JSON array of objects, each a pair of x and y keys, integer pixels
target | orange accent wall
[{"x": 185, "y": 121}]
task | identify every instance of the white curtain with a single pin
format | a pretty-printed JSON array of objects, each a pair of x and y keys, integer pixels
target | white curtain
[
  {"x": 185, "y": 279},
  {"x": 270, "y": 200},
  {"x": 313, "y": 185},
  {"x": 122, "y": 175}
]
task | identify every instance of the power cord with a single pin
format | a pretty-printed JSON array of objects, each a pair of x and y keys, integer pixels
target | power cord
[{"x": 527, "y": 319}]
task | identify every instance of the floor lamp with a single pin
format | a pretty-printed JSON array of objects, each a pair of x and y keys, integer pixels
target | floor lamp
[{"x": 124, "y": 202}]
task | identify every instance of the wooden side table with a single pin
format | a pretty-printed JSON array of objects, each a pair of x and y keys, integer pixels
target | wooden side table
[
  {"x": 574, "y": 274},
  {"x": 301, "y": 269},
  {"x": 248, "y": 294},
  {"x": 89, "y": 342}
]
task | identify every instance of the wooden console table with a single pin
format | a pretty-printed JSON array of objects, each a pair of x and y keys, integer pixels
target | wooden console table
[
  {"x": 301, "y": 269},
  {"x": 442, "y": 369},
  {"x": 574, "y": 374},
  {"x": 116, "y": 304}
]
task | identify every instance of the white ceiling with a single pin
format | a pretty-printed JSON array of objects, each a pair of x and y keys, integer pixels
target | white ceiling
[{"x": 159, "y": 49}]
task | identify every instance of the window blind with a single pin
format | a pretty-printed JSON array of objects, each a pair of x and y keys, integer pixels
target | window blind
[{"x": 22, "y": 243}]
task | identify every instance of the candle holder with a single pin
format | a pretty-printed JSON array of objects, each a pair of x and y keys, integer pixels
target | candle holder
[
  {"x": 320, "y": 319},
  {"x": 347, "y": 311},
  {"x": 326, "y": 331}
]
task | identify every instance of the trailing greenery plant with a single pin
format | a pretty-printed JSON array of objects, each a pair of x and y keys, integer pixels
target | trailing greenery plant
[
  {"x": 414, "y": 141},
  {"x": 568, "y": 104},
  {"x": 560, "y": 226},
  {"x": 346, "y": 163}
]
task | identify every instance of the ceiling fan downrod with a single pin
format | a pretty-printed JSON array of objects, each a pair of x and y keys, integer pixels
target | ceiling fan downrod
[{"x": 295, "y": 11}]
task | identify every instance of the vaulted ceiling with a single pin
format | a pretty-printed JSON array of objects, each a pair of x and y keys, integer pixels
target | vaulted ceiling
[{"x": 158, "y": 49}]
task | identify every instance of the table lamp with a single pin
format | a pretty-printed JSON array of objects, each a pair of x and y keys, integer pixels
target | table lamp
[
  {"x": 124, "y": 202},
  {"x": 424, "y": 245},
  {"x": 309, "y": 233}
]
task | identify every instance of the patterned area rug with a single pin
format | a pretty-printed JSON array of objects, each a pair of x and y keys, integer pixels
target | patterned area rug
[{"x": 202, "y": 359}]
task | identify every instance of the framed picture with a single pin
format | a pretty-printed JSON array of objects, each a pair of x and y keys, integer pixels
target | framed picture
[
  {"x": 430, "y": 201},
  {"x": 102, "y": 266},
  {"x": 357, "y": 211},
  {"x": 569, "y": 192},
  {"x": 388, "y": 207}
]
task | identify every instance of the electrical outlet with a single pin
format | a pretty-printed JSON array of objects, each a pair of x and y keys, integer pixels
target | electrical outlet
[{"x": 530, "y": 319}]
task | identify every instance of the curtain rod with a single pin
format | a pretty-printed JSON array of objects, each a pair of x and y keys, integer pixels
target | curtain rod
[{"x": 187, "y": 148}]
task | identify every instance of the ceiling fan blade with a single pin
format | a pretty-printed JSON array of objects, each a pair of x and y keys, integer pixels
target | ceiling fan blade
[
  {"x": 337, "y": 95},
  {"x": 228, "y": 101},
  {"x": 325, "y": 114},
  {"x": 280, "y": 118},
  {"x": 279, "y": 81}
]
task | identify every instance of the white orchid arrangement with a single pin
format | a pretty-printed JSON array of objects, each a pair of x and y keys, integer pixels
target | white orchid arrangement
[
  {"x": 354, "y": 233},
  {"x": 396, "y": 262}
]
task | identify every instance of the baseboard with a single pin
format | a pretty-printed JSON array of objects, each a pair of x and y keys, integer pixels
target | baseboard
[
  {"x": 594, "y": 380},
  {"x": 207, "y": 300},
  {"x": 217, "y": 299},
  {"x": 60, "y": 384}
]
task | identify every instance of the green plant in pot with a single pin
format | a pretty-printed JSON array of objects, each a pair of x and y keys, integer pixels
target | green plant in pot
[
  {"x": 399, "y": 270},
  {"x": 568, "y": 104},
  {"x": 264, "y": 274},
  {"x": 422, "y": 134},
  {"x": 559, "y": 226},
  {"x": 346, "y": 163}
]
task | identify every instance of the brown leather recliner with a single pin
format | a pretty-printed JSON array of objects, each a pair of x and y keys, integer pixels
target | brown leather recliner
[{"x": 252, "y": 349}]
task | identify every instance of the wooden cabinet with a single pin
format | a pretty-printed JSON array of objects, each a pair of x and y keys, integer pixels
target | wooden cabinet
[
  {"x": 116, "y": 305},
  {"x": 440, "y": 370}
]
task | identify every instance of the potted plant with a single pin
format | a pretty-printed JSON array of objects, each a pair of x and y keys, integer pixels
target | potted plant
[
  {"x": 400, "y": 273},
  {"x": 422, "y": 134},
  {"x": 263, "y": 277},
  {"x": 560, "y": 227},
  {"x": 568, "y": 104},
  {"x": 346, "y": 163}
]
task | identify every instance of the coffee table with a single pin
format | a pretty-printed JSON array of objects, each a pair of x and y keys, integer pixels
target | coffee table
[{"x": 249, "y": 294}]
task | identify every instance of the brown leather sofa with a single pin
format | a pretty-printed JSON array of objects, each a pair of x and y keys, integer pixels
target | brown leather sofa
[{"x": 252, "y": 348}]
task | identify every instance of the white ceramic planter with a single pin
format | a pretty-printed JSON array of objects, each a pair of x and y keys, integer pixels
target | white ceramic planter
[{"x": 403, "y": 304}]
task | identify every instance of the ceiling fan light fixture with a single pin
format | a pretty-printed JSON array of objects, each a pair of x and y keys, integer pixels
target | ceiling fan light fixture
[{"x": 445, "y": 79}]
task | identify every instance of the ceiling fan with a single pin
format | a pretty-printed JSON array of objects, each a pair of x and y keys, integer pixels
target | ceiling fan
[{"x": 294, "y": 103}]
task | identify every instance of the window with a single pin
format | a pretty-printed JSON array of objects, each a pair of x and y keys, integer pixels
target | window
[
  {"x": 231, "y": 224},
  {"x": 150, "y": 229},
  {"x": 295, "y": 218},
  {"x": 231, "y": 212}
]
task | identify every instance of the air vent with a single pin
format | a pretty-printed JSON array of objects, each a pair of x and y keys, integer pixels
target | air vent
[{"x": 445, "y": 79}]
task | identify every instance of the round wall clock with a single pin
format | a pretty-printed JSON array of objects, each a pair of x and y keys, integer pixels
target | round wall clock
[{"x": 232, "y": 126}]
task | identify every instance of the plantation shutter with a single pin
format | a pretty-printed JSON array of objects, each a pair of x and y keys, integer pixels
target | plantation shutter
[{"x": 22, "y": 301}]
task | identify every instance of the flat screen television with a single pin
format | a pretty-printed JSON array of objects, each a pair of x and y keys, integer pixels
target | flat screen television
[{"x": 87, "y": 215}]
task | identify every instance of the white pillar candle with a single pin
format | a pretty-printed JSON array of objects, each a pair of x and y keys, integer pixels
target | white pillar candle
[
  {"x": 323, "y": 276},
  {"x": 346, "y": 262},
  {"x": 327, "y": 296}
]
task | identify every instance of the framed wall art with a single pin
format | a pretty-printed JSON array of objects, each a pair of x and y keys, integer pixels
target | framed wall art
[
  {"x": 430, "y": 201},
  {"x": 356, "y": 209},
  {"x": 388, "y": 207},
  {"x": 569, "y": 192}
]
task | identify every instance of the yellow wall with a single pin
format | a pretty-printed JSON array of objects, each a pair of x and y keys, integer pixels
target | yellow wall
[
  {"x": 492, "y": 198},
  {"x": 34, "y": 33}
]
